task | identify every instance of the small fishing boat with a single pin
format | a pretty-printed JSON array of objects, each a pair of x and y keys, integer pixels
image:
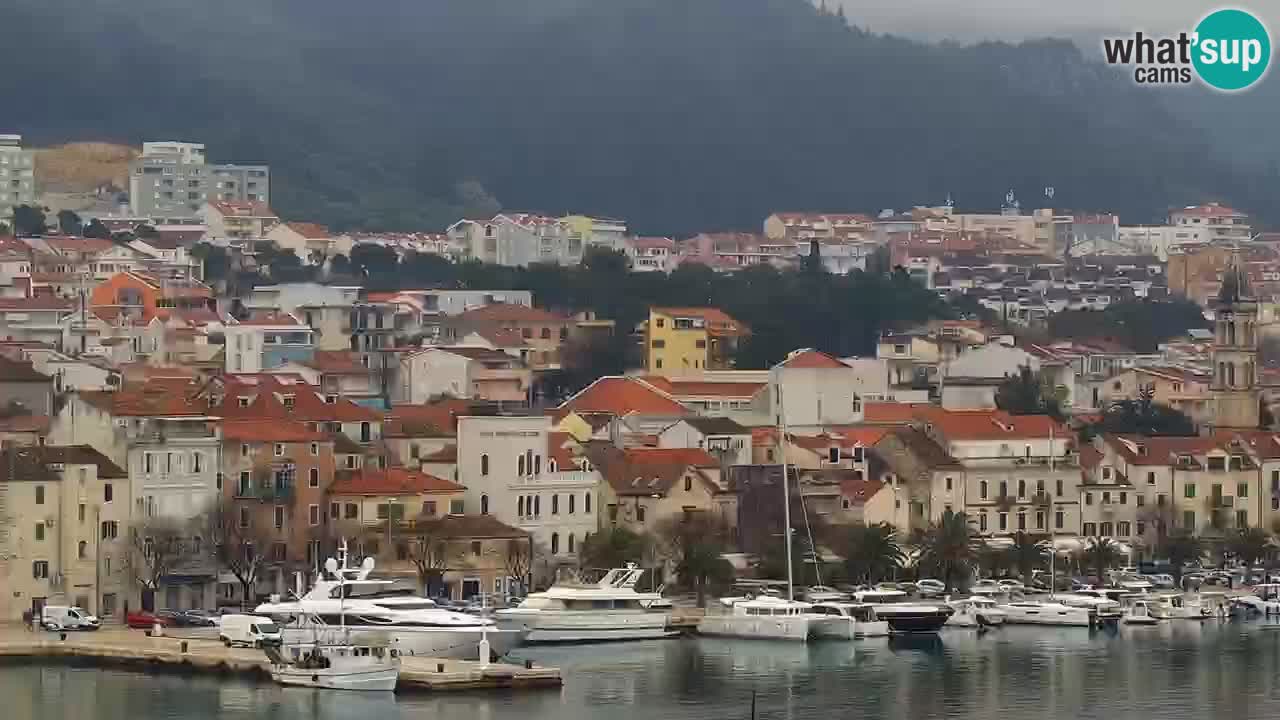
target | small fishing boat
[
  {"x": 1139, "y": 612},
  {"x": 337, "y": 666}
]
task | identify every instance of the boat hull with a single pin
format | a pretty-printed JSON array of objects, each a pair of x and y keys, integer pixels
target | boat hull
[
  {"x": 444, "y": 643},
  {"x": 373, "y": 679},
  {"x": 757, "y": 627},
  {"x": 585, "y": 627},
  {"x": 914, "y": 620},
  {"x": 841, "y": 628},
  {"x": 1062, "y": 616}
]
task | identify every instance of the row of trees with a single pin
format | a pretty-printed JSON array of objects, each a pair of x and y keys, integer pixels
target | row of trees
[{"x": 1027, "y": 393}]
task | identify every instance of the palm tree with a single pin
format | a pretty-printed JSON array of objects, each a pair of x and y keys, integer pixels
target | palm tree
[
  {"x": 1249, "y": 545},
  {"x": 1101, "y": 555},
  {"x": 1180, "y": 548},
  {"x": 872, "y": 552},
  {"x": 1027, "y": 554},
  {"x": 950, "y": 547}
]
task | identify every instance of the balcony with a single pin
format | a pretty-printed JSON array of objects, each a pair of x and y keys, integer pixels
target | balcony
[{"x": 266, "y": 493}]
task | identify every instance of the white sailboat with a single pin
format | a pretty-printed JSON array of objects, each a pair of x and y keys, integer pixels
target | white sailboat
[{"x": 765, "y": 616}]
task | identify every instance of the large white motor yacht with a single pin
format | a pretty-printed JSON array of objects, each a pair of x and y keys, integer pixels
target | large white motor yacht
[
  {"x": 905, "y": 617},
  {"x": 409, "y": 623},
  {"x": 975, "y": 611},
  {"x": 1025, "y": 612},
  {"x": 846, "y": 621},
  {"x": 765, "y": 617},
  {"x": 609, "y": 610}
]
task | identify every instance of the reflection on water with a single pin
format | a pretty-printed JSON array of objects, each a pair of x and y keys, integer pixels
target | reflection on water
[{"x": 1173, "y": 670}]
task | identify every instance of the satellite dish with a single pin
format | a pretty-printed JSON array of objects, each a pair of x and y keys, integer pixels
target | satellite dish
[
  {"x": 367, "y": 565},
  {"x": 1048, "y": 192},
  {"x": 331, "y": 565}
]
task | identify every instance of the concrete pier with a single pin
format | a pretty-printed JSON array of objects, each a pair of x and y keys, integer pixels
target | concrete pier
[{"x": 133, "y": 649}]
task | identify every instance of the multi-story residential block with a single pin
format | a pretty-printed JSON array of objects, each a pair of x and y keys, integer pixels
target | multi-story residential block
[
  {"x": 800, "y": 227},
  {"x": 645, "y": 486},
  {"x": 729, "y": 252},
  {"x": 64, "y": 513},
  {"x": 811, "y": 390},
  {"x": 277, "y": 474},
  {"x": 475, "y": 373},
  {"x": 597, "y": 231},
  {"x": 311, "y": 242},
  {"x": 1185, "y": 390},
  {"x": 17, "y": 175},
  {"x": 1222, "y": 224},
  {"x": 173, "y": 180},
  {"x": 140, "y": 296},
  {"x": 231, "y": 221},
  {"x": 266, "y": 340},
  {"x": 23, "y": 389},
  {"x": 651, "y": 254},
  {"x": 342, "y": 373},
  {"x": 723, "y": 438},
  {"x": 544, "y": 333},
  {"x": 927, "y": 471},
  {"x": 519, "y": 239},
  {"x": 685, "y": 341}
]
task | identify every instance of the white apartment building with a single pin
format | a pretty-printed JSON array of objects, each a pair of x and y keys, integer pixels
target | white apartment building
[
  {"x": 1221, "y": 224},
  {"x": 512, "y": 471},
  {"x": 172, "y": 179},
  {"x": 17, "y": 175},
  {"x": 255, "y": 345}
]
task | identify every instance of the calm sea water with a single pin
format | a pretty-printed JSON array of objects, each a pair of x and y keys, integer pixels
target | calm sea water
[{"x": 1178, "y": 670}]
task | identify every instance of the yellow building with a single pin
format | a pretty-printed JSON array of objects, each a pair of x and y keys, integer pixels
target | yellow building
[
  {"x": 63, "y": 531},
  {"x": 690, "y": 341}
]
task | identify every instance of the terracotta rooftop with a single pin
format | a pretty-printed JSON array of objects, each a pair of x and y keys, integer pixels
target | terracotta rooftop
[
  {"x": 811, "y": 359},
  {"x": 148, "y": 401},
  {"x": 505, "y": 312},
  {"x": 311, "y": 231},
  {"x": 36, "y": 303},
  {"x": 622, "y": 396},
  {"x": 336, "y": 362},
  {"x": 443, "y": 414},
  {"x": 466, "y": 527},
  {"x": 19, "y": 371},
  {"x": 859, "y": 491},
  {"x": 392, "y": 481},
  {"x": 679, "y": 388},
  {"x": 274, "y": 430},
  {"x": 270, "y": 317},
  {"x": 559, "y": 449},
  {"x": 717, "y": 321},
  {"x": 1140, "y": 450}
]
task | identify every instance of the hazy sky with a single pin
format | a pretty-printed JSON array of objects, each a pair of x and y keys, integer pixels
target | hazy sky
[{"x": 972, "y": 20}]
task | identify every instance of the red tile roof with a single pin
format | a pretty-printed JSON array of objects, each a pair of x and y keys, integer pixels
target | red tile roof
[
  {"x": 1141, "y": 450},
  {"x": 622, "y": 396},
  {"x": 443, "y": 414},
  {"x": 36, "y": 303},
  {"x": 308, "y": 405},
  {"x": 270, "y": 317},
  {"x": 274, "y": 430},
  {"x": 20, "y": 371},
  {"x": 392, "y": 481},
  {"x": 311, "y": 231},
  {"x": 38, "y": 424},
  {"x": 717, "y": 321},
  {"x": 236, "y": 208},
  {"x": 811, "y": 359},
  {"x": 702, "y": 388},
  {"x": 336, "y": 362},
  {"x": 559, "y": 448},
  {"x": 858, "y": 491},
  {"x": 890, "y": 412},
  {"x": 465, "y": 527},
  {"x": 695, "y": 457},
  {"x": 847, "y": 437},
  {"x": 152, "y": 400},
  {"x": 503, "y": 337},
  {"x": 506, "y": 312},
  {"x": 64, "y": 244}
]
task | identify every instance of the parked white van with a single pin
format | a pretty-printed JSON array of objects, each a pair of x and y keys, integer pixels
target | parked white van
[
  {"x": 248, "y": 630},
  {"x": 67, "y": 617}
]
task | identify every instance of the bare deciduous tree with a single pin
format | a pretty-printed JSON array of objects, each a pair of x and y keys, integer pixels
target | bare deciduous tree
[
  {"x": 158, "y": 548},
  {"x": 240, "y": 545}
]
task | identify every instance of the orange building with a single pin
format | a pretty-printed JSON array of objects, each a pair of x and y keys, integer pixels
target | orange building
[{"x": 142, "y": 297}]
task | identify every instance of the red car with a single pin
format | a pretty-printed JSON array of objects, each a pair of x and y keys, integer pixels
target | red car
[{"x": 144, "y": 620}]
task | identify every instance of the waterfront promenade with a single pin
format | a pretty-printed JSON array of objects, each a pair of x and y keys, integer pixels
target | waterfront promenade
[{"x": 190, "y": 653}]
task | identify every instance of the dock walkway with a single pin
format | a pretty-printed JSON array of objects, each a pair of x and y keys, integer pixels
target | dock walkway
[{"x": 134, "y": 649}]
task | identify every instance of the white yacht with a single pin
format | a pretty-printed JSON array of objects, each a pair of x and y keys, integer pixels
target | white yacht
[
  {"x": 1026, "y": 612},
  {"x": 409, "y": 623},
  {"x": 822, "y": 593},
  {"x": 764, "y": 617},
  {"x": 975, "y": 611},
  {"x": 846, "y": 621},
  {"x": 1139, "y": 612},
  {"x": 1103, "y": 603},
  {"x": 905, "y": 617},
  {"x": 609, "y": 610}
]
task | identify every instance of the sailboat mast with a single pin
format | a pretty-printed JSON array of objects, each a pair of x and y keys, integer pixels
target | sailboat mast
[
  {"x": 786, "y": 491},
  {"x": 1053, "y": 548}
]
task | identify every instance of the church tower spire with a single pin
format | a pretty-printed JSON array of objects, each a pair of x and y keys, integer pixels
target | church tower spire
[{"x": 1235, "y": 351}]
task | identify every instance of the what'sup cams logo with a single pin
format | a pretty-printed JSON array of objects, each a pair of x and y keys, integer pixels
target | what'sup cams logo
[{"x": 1229, "y": 50}]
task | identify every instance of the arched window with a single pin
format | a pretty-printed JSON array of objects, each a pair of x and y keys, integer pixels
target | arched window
[
  {"x": 528, "y": 461},
  {"x": 484, "y": 504},
  {"x": 484, "y": 464},
  {"x": 551, "y": 465},
  {"x": 586, "y": 503},
  {"x": 570, "y": 542},
  {"x": 555, "y": 543},
  {"x": 520, "y": 506},
  {"x": 520, "y": 466}
]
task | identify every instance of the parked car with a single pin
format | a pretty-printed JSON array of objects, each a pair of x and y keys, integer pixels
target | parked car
[
  {"x": 248, "y": 630},
  {"x": 931, "y": 588},
  {"x": 184, "y": 618},
  {"x": 67, "y": 617},
  {"x": 1010, "y": 585},
  {"x": 204, "y": 618},
  {"x": 145, "y": 619}
]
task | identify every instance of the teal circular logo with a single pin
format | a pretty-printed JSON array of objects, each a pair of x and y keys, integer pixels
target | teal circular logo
[{"x": 1231, "y": 49}]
